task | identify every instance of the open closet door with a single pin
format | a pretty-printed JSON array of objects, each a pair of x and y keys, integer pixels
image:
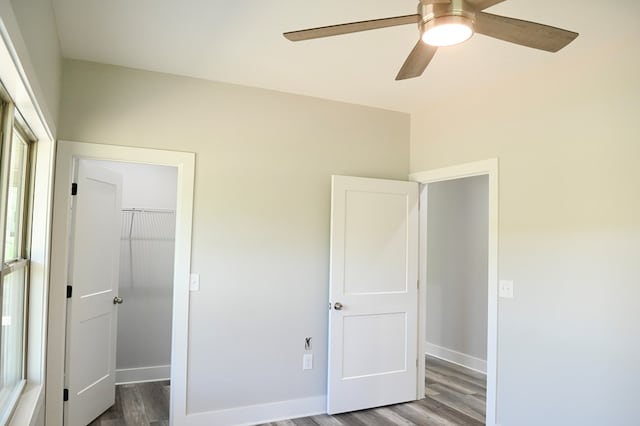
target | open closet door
[
  {"x": 91, "y": 309},
  {"x": 373, "y": 322}
]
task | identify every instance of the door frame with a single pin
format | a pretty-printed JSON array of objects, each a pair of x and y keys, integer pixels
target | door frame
[
  {"x": 489, "y": 168},
  {"x": 68, "y": 153}
]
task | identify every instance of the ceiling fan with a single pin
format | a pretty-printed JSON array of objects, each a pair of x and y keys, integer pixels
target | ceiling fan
[{"x": 448, "y": 22}]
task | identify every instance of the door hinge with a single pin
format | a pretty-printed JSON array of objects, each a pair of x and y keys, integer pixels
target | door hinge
[
  {"x": 416, "y": 362},
  {"x": 69, "y": 291},
  {"x": 65, "y": 395},
  {"x": 418, "y": 283},
  {"x": 74, "y": 189}
]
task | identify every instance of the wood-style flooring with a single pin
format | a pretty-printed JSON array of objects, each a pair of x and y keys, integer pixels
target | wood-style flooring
[
  {"x": 140, "y": 404},
  {"x": 454, "y": 396}
]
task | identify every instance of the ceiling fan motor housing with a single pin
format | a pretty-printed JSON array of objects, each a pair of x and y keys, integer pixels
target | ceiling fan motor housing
[{"x": 437, "y": 12}]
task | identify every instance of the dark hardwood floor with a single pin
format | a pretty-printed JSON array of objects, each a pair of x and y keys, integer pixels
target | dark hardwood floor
[
  {"x": 454, "y": 396},
  {"x": 140, "y": 404}
]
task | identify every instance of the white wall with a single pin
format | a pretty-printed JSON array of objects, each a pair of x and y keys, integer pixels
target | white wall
[
  {"x": 457, "y": 262},
  {"x": 145, "y": 186},
  {"x": 261, "y": 213},
  {"x": 144, "y": 319},
  {"x": 566, "y": 135}
]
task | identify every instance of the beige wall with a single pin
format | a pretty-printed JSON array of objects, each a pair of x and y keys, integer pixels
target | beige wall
[
  {"x": 261, "y": 220},
  {"x": 567, "y": 136},
  {"x": 39, "y": 50}
]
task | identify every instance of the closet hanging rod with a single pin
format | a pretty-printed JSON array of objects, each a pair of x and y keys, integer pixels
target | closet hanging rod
[{"x": 149, "y": 210}]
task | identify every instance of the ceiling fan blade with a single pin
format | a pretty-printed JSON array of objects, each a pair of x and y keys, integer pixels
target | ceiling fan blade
[
  {"x": 352, "y": 27},
  {"x": 417, "y": 61},
  {"x": 525, "y": 33},
  {"x": 483, "y": 4}
]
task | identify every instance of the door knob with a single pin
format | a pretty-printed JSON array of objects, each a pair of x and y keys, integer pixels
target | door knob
[
  {"x": 337, "y": 306},
  {"x": 117, "y": 300}
]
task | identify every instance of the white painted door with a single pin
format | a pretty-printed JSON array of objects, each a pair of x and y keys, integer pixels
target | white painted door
[
  {"x": 373, "y": 320},
  {"x": 91, "y": 311}
]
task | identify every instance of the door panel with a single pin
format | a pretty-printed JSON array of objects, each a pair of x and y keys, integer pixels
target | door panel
[
  {"x": 374, "y": 344},
  {"x": 91, "y": 313},
  {"x": 375, "y": 246},
  {"x": 374, "y": 259}
]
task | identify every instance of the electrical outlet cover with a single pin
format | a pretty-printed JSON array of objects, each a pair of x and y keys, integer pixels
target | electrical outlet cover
[{"x": 307, "y": 361}]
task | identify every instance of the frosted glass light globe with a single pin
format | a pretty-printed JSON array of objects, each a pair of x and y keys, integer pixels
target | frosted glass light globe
[{"x": 447, "y": 31}]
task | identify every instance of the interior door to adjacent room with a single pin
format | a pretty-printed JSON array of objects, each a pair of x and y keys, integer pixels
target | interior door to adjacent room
[
  {"x": 373, "y": 321},
  {"x": 91, "y": 308}
]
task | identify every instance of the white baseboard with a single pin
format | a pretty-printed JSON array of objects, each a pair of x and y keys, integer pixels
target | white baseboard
[
  {"x": 143, "y": 374},
  {"x": 262, "y": 413},
  {"x": 456, "y": 357}
]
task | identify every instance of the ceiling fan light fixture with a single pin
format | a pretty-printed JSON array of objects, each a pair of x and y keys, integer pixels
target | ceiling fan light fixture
[
  {"x": 447, "y": 30},
  {"x": 446, "y": 23}
]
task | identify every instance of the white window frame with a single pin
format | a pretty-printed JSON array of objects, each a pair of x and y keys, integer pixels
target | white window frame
[
  {"x": 11, "y": 125},
  {"x": 16, "y": 73}
]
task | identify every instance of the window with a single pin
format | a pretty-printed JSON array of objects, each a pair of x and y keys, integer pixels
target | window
[{"x": 14, "y": 253}]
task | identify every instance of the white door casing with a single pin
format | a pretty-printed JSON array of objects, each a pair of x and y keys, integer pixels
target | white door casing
[
  {"x": 67, "y": 153},
  {"x": 91, "y": 312},
  {"x": 373, "y": 338},
  {"x": 485, "y": 167}
]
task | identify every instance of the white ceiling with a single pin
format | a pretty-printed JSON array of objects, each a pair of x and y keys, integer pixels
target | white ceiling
[{"x": 241, "y": 42}]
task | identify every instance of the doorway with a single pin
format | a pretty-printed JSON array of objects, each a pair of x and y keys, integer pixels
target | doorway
[
  {"x": 456, "y": 293},
  {"x": 484, "y": 180},
  {"x": 147, "y": 245},
  {"x": 373, "y": 206},
  {"x": 182, "y": 164}
]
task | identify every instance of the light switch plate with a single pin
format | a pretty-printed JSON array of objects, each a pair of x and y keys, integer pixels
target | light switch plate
[
  {"x": 505, "y": 289},
  {"x": 194, "y": 282}
]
